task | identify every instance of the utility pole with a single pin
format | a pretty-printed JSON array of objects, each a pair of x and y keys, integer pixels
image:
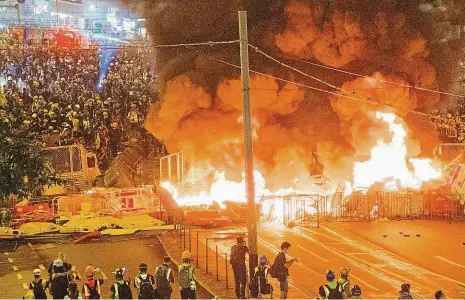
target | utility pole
[{"x": 249, "y": 178}]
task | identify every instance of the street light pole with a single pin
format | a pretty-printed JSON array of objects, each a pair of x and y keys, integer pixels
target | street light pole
[{"x": 249, "y": 178}]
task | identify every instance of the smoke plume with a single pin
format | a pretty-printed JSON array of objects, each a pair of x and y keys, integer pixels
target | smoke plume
[{"x": 200, "y": 106}]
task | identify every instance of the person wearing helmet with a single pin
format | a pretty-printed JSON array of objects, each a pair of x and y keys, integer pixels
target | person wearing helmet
[
  {"x": 186, "y": 277},
  {"x": 38, "y": 285},
  {"x": 121, "y": 288},
  {"x": 439, "y": 295},
  {"x": 356, "y": 292},
  {"x": 144, "y": 283},
  {"x": 237, "y": 260},
  {"x": 164, "y": 278},
  {"x": 91, "y": 288},
  {"x": 404, "y": 292},
  {"x": 73, "y": 292},
  {"x": 332, "y": 289},
  {"x": 66, "y": 266},
  {"x": 259, "y": 285},
  {"x": 280, "y": 269},
  {"x": 345, "y": 282},
  {"x": 60, "y": 280},
  {"x": 114, "y": 139}
]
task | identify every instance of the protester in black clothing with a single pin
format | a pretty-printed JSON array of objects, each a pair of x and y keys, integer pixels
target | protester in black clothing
[
  {"x": 237, "y": 261},
  {"x": 66, "y": 266},
  {"x": 280, "y": 269},
  {"x": 59, "y": 280}
]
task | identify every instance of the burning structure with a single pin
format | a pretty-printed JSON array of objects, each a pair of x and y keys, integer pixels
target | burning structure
[{"x": 371, "y": 130}]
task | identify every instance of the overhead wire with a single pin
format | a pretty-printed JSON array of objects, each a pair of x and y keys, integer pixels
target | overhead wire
[
  {"x": 417, "y": 87},
  {"x": 345, "y": 92},
  {"x": 313, "y": 88},
  {"x": 186, "y": 45}
]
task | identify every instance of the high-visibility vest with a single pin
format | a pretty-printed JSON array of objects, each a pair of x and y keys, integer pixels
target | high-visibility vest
[{"x": 87, "y": 291}]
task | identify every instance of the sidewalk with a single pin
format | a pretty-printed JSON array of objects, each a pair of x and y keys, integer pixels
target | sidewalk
[{"x": 219, "y": 280}]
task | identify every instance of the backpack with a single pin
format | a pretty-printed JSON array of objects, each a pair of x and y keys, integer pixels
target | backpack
[
  {"x": 60, "y": 284},
  {"x": 274, "y": 272},
  {"x": 38, "y": 290},
  {"x": 235, "y": 255},
  {"x": 259, "y": 282},
  {"x": 185, "y": 277},
  {"x": 146, "y": 288},
  {"x": 335, "y": 293},
  {"x": 93, "y": 291},
  {"x": 122, "y": 291},
  {"x": 162, "y": 277}
]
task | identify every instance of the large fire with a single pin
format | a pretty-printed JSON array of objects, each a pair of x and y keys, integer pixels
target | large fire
[
  {"x": 224, "y": 190},
  {"x": 356, "y": 143},
  {"x": 388, "y": 164},
  {"x": 389, "y": 161}
]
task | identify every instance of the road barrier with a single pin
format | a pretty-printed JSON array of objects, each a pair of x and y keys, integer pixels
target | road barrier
[
  {"x": 310, "y": 210},
  {"x": 392, "y": 205}
]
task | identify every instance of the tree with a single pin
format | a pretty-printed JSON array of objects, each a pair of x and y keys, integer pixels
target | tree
[{"x": 24, "y": 167}]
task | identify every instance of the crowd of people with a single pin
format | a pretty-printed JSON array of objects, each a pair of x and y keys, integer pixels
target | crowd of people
[
  {"x": 450, "y": 126},
  {"x": 334, "y": 288},
  {"x": 97, "y": 97},
  {"x": 64, "y": 281}
]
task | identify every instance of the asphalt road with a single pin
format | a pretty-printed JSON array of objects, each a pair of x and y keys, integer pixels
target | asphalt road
[
  {"x": 378, "y": 271},
  {"x": 108, "y": 256}
]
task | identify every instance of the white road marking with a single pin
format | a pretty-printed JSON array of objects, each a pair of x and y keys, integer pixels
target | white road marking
[
  {"x": 10, "y": 259},
  {"x": 19, "y": 276},
  {"x": 41, "y": 267},
  {"x": 6, "y": 253},
  {"x": 29, "y": 244},
  {"x": 364, "y": 282},
  {"x": 15, "y": 268},
  {"x": 312, "y": 253},
  {"x": 25, "y": 286},
  {"x": 448, "y": 261},
  {"x": 359, "y": 253}
]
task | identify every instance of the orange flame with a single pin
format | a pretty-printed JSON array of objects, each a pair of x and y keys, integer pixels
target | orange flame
[{"x": 389, "y": 160}]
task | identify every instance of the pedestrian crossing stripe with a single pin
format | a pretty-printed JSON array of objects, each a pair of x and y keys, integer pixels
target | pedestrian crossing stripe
[
  {"x": 19, "y": 276},
  {"x": 10, "y": 259},
  {"x": 41, "y": 267},
  {"x": 25, "y": 286},
  {"x": 15, "y": 268}
]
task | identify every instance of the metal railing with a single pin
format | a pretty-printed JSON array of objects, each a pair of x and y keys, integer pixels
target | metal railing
[
  {"x": 310, "y": 210},
  {"x": 66, "y": 159},
  {"x": 392, "y": 205}
]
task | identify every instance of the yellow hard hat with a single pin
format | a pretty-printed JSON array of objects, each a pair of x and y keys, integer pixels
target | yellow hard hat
[
  {"x": 345, "y": 271},
  {"x": 89, "y": 271},
  {"x": 186, "y": 254}
]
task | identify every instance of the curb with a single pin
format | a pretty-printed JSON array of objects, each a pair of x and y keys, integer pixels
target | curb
[{"x": 204, "y": 285}]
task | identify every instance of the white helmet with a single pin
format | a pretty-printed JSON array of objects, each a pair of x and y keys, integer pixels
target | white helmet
[
  {"x": 58, "y": 263},
  {"x": 37, "y": 272}
]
